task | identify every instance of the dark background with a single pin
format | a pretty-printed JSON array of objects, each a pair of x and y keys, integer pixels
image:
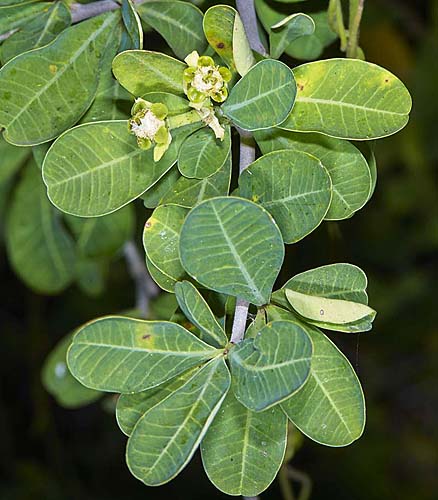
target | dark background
[{"x": 47, "y": 452}]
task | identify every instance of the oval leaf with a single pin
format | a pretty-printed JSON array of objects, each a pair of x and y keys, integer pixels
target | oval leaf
[
  {"x": 166, "y": 437},
  {"x": 39, "y": 248},
  {"x": 143, "y": 71},
  {"x": 330, "y": 407},
  {"x": 243, "y": 450},
  {"x": 197, "y": 311},
  {"x": 348, "y": 169},
  {"x": 45, "y": 91},
  {"x": 263, "y": 98},
  {"x": 294, "y": 187},
  {"x": 117, "y": 354},
  {"x": 232, "y": 246},
  {"x": 270, "y": 367},
  {"x": 328, "y": 310},
  {"x": 348, "y": 99},
  {"x": 96, "y": 168}
]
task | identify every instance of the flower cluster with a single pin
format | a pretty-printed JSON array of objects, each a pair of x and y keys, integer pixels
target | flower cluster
[
  {"x": 203, "y": 79},
  {"x": 148, "y": 124}
]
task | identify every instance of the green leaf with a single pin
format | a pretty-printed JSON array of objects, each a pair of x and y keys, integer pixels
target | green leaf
[
  {"x": 97, "y": 168},
  {"x": 118, "y": 354},
  {"x": 143, "y": 71},
  {"x": 293, "y": 186},
  {"x": 257, "y": 324},
  {"x": 225, "y": 33},
  {"x": 263, "y": 98},
  {"x": 175, "y": 104},
  {"x": 179, "y": 23},
  {"x": 202, "y": 155},
  {"x": 232, "y": 246},
  {"x": 59, "y": 382},
  {"x": 335, "y": 281},
  {"x": 190, "y": 192},
  {"x": 306, "y": 47},
  {"x": 131, "y": 407},
  {"x": 133, "y": 35},
  {"x": 102, "y": 236},
  {"x": 39, "y": 248},
  {"x": 90, "y": 275},
  {"x": 348, "y": 169},
  {"x": 166, "y": 437},
  {"x": 197, "y": 311},
  {"x": 11, "y": 159},
  {"x": 15, "y": 16},
  {"x": 348, "y": 99},
  {"x": 330, "y": 407},
  {"x": 37, "y": 32},
  {"x": 270, "y": 367},
  {"x": 312, "y": 46},
  {"x": 45, "y": 91},
  {"x": 162, "y": 280},
  {"x": 283, "y": 33},
  {"x": 112, "y": 101},
  {"x": 161, "y": 240},
  {"x": 243, "y": 450},
  {"x": 334, "y": 311},
  {"x": 153, "y": 196}
]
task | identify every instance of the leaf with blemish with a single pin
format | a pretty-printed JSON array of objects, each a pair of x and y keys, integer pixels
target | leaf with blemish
[
  {"x": 118, "y": 354},
  {"x": 349, "y": 99},
  {"x": 45, "y": 91}
]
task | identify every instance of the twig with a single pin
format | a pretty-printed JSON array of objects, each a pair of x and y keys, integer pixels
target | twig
[
  {"x": 247, "y": 156},
  {"x": 303, "y": 479},
  {"x": 145, "y": 287},
  {"x": 356, "y": 10},
  {"x": 286, "y": 489},
  {"x": 248, "y": 15},
  {"x": 80, "y": 11}
]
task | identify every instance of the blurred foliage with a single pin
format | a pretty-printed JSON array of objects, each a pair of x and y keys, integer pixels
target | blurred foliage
[{"x": 50, "y": 453}]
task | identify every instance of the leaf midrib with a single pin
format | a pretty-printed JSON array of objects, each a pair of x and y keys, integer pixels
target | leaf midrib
[{"x": 329, "y": 102}]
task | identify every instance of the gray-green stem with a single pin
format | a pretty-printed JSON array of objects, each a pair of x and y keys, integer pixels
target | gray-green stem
[
  {"x": 145, "y": 287},
  {"x": 356, "y": 10}
]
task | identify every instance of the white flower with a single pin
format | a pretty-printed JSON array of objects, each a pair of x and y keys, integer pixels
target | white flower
[{"x": 148, "y": 126}]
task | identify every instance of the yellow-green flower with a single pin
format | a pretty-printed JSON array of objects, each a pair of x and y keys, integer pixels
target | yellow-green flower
[
  {"x": 148, "y": 124},
  {"x": 203, "y": 79}
]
